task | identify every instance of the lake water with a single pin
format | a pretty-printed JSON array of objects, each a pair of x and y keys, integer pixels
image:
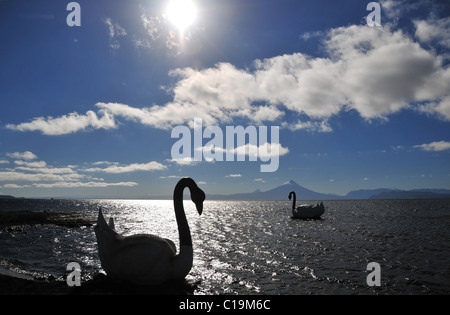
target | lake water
[{"x": 255, "y": 247}]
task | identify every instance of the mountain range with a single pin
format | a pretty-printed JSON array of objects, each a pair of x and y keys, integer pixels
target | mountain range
[{"x": 281, "y": 193}]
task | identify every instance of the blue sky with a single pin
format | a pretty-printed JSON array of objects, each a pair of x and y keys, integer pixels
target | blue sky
[{"x": 88, "y": 110}]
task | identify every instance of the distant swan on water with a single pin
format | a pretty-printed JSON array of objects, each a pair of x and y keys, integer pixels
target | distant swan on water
[
  {"x": 146, "y": 259},
  {"x": 306, "y": 211}
]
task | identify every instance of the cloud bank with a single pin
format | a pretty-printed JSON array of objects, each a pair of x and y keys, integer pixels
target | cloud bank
[
  {"x": 375, "y": 71},
  {"x": 30, "y": 173}
]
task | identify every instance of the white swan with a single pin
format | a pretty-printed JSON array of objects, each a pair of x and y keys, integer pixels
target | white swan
[
  {"x": 306, "y": 211},
  {"x": 149, "y": 259}
]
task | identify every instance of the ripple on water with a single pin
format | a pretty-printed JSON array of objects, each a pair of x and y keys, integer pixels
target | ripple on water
[{"x": 256, "y": 248}]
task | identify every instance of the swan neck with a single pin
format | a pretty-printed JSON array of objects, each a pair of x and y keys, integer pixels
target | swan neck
[
  {"x": 294, "y": 200},
  {"x": 183, "y": 226}
]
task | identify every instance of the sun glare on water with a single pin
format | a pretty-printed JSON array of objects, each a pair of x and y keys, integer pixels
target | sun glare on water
[{"x": 182, "y": 13}]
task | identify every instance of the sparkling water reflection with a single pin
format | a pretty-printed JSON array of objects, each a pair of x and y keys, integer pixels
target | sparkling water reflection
[{"x": 254, "y": 247}]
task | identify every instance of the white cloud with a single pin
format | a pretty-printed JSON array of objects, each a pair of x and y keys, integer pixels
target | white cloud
[
  {"x": 171, "y": 176},
  {"x": 39, "y": 164},
  {"x": 320, "y": 126},
  {"x": 398, "y": 147},
  {"x": 385, "y": 71},
  {"x": 391, "y": 7},
  {"x": 146, "y": 116},
  {"x": 27, "y": 155},
  {"x": 116, "y": 169},
  {"x": 264, "y": 113},
  {"x": 47, "y": 170},
  {"x": 434, "y": 146},
  {"x": 158, "y": 34},
  {"x": 86, "y": 184},
  {"x": 183, "y": 161},
  {"x": 395, "y": 9},
  {"x": 67, "y": 124},
  {"x": 38, "y": 177},
  {"x": 14, "y": 186},
  {"x": 115, "y": 31},
  {"x": 234, "y": 175},
  {"x": 434, "y": 30},
  {"x": 308, "y": 35},
  {"x": 263, "y": 151},
  {"x": 105, "y": 163},
  {"x": 4, "y": 162},
  {"x": 152, "y": 25},
  {"x": 440, "y": 108}
]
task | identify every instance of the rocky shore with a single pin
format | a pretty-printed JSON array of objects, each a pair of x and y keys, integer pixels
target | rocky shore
[
  {"x": 99, "y": 285},
  {"x": 14, "y": 220}
]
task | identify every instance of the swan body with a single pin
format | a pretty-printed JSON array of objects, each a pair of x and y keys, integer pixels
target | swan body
[
  {"x": 306, "y": 211},
  {"x": 146, "y": 259}
]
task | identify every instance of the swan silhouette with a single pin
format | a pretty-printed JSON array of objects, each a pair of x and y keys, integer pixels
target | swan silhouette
[
  {"x": 306, "y": 211},
  {"x": 146, "y": 259}
]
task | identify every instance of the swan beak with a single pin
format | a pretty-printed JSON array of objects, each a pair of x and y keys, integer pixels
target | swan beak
[{"x": 199, "y": 207}]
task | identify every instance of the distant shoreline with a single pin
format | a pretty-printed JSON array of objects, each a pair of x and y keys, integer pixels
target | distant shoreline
[
  {"x": 281, "y": 192},
  {"x": 439, "y": 197}
]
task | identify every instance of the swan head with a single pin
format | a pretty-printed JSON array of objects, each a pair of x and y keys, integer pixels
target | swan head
[
  {"x": 290, "y": 194},
  {"x": 197, "y": 197}
]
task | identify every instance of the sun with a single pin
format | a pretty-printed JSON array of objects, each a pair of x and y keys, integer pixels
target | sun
[{"x": 182, "y": 13}]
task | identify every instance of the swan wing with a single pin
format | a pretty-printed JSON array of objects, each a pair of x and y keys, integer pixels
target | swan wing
[
  {"x": 309, "y": 211},
  {"x": 101, "y": 223},
  {"x": 107, "y": 239},
  {"x": 141, "y": 259},
  {"x": 150, "y": 241},
  {"x": 172, "y": 244}
]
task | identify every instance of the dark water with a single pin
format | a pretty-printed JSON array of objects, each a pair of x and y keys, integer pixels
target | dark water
[{"x": 254, "y": 247}]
